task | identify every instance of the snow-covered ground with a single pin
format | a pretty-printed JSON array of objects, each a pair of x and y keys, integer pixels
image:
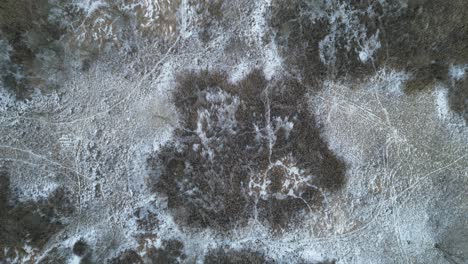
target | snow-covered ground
[{"x": 406, "y": 155}]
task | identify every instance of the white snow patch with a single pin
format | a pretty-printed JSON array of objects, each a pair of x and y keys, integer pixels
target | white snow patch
[
  {"x": 38, "y": 191},
  {"x": 138, "y": 166},
  {"x": 327, "y": 50},
  {"x": 458, "y": 72},
  {"x": 259, "y": 23},
  {"x": 443, "y": 109},
  {"x": 240, "y": 72},
  {"x": 389, "y": 81},
  {"x": 186, "y": 13},
  {"x": 369, "y": 47},
  {"x": 295, "y": 180},
  {"x": 7, "y": 100},
  {"x": 272, "y": 61},
  {"x": 333, "y": 105},
  {"x": 38, "y": 102},
  {"x": 90, "y": 6},
  {"x": 74, "y": 260}
]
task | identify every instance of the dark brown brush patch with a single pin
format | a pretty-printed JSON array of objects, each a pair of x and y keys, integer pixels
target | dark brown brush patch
[
  {"x": 215, "y": 193},
  {"x": 326, "y": 262},
  {"x": 18, "y": 17},
  {"x": 422, "y": 38},
  {"x": 146, "y": 220},
  {"x": 425, "y": 38},
  {"x": 298, "y": 37},
  {"x": 210, "y": 13},
  {"x": 35, "y": 222},
  {"x": 223, "y": 256},
  {"x": 127, "y": 257},
  {"x": 80, "y": 248},
  {"x": 171, "y": 253}
]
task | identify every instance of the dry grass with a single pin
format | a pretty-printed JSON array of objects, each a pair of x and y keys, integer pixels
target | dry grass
[{"x": 31, "y": 222}]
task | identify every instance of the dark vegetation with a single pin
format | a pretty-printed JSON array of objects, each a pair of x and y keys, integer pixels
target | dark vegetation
[
  {"x": 299, "y": 35},
  {"x": 212, "y": 190},
  {"x": 222, "y": 256},
  {"x": 80, "y": 248},
  {"x": 423, "y": 38},
  {"x": 170, "y": 253},
  {"x": 127, "y": 257},
  {"x": 458, "y": 97},
  {"x": 146, "y": 220},
  {"x": 209, "y": 15},
  {"x": 229, "y": 256},
  {"x": 298, "y": 40},
  {"x": 29, "y": 222},
  {"x": 25, "y": 26}
]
